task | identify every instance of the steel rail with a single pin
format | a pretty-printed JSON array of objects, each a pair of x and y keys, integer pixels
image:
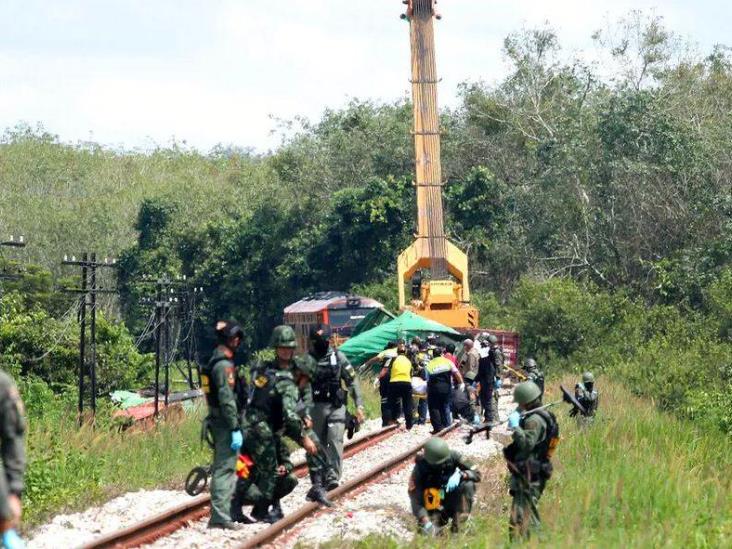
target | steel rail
[
  {"x": 269, "y": 534},
  {"x": 164, "y": 524}
]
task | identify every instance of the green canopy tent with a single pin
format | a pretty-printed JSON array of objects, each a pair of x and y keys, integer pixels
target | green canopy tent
[
  {"x": 372, "y": 320},
  {"x": 360, "y": 348}
]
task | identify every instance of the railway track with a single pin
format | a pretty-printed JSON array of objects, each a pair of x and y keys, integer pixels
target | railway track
[
  {"x": 168, "y": 522},
  {"x": 164, "y": 524}
]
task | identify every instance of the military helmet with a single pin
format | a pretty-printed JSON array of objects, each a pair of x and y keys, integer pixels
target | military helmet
[
  {"x": 283, "y": 336},
  {"x": 436, "y": 451},
  {"x": 526, "y": 392},
  {"x": 227, "y": 329},
  {"x": 493, "y": 339},
  {"x": 306, "y": 365},
  {"x": 587, "y": 377},
  {"x": 530, "y": 364}
]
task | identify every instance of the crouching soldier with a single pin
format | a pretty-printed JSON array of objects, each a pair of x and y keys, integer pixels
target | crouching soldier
[
  {"x": 441, "y": 487},
  {"x": 272, "y": 413},
  {"x": 588, "y": 397},
  {"x": 535, "y": 436}
]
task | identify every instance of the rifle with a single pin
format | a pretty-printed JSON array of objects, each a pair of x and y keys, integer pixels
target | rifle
[
  {"x": 486, "y": 427},
  {"x": 518, "y": 374}
]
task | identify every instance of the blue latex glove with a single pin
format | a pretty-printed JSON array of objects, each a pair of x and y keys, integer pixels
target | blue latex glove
[
  {"x": 11, "y": 540},
  {"x": 453, "y": 481},
  {"x": 428, "y": 529},
  {"x": 237, "y": 439},
  {"x": 514, "y": 419},
  {"x": 498, "y": 383}
]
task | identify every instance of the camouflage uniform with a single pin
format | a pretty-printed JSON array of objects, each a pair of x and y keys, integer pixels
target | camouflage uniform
[
  {"x": 272, "y": 413},
  {"x": 12, "y": 447},
  {"x": 530, "y": 468},
  {"x": 534, "y": 374},
  {"x": 333, "y": 376},
  {"x": 455, "y": 505},
  {"x": 589, "y": 399}
]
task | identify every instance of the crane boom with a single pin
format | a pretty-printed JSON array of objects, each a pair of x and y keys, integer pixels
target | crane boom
[{"x": 445, "y": 295}]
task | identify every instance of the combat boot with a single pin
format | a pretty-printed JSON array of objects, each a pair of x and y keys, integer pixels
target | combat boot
[
  {"x": 317, "y": 493},
  {"x": 262, "y": 514},
  {"x": 276, "y": 510}
]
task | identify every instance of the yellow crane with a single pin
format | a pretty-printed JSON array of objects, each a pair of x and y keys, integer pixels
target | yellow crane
[{"x": 432, "y": 264}]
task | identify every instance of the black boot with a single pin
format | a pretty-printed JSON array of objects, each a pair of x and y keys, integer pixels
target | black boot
[
  {"x": 276, "y": 510},
  {"x": 261, "y": 513},
  {"x": 317, "y": 492}
]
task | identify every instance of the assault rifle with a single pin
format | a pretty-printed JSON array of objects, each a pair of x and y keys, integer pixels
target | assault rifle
[{"x": 488, "y": 426}]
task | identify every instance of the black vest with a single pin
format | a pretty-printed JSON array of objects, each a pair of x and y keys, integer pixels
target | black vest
[{"x": 265, "y": 399}]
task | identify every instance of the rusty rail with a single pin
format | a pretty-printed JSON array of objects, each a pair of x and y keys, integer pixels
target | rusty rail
[
  {"x": 166, "y": 523},
  {"x": 269, "y": 534}
]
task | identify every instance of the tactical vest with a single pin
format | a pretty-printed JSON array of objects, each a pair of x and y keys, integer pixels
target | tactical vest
[
  {"x": 588, "y": 399},
  {"x": 434, "y": 476},
  {"x": 264, "y": 398},
  {"x": 212, "y": 393},
  {"x": 538, "y": 464},
  {"x": 537, "y": 377},
  {"x": 327, "y": 382}
]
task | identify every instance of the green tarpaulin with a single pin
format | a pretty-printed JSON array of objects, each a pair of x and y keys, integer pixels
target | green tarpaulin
[
  {"x": 360, "y": 348},
  {"x": 372, "y": 320}
]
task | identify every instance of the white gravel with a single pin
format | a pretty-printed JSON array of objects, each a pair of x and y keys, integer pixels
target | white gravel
[
  {"x": 74, "y": 530},
  {"x": 384, "y": 507},
  {"x": 80, "y": 528},
  {"x": 381, "y": 508}
]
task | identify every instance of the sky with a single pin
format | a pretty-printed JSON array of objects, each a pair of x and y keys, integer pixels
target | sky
[{"x": 136, "y": 73}]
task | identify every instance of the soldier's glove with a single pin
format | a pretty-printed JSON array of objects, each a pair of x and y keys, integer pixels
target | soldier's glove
[
  {"x": 428, "y": 529},
  {"x": 237, "y": 440},
  {"x": 11, "y": 540},
  {"x": 498, "y": 384},
  {"x": 461, "y": 387},
  {"x": 514, "y": 419},
  {"x": 454, "y": 481}
]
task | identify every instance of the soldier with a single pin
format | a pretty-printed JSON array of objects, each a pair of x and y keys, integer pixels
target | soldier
[
  {"x": 588, "y": 397},
  {"x": 535, "y": 436},
  {"x": 333, "y": 379},
  {"x": 12, "y": 466},
  {"x": 489, "y": 369},
  {"x": 533, "y": 373},
  {"x": 271, "y": 413},
  {"x": 441, "y": 487},
  {"x": 218, "y": 382}
]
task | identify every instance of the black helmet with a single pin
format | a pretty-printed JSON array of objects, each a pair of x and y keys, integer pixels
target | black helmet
[{"x": 228, "y": 329}]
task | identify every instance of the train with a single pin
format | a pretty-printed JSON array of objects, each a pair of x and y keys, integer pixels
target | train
[{"x": 338, "y": 311}]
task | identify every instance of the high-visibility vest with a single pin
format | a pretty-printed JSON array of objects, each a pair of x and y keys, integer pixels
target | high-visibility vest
[{"x": 401, "y": 370}]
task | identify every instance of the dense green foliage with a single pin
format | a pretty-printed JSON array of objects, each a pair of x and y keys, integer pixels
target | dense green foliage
[{"x": 594, "y": 205}]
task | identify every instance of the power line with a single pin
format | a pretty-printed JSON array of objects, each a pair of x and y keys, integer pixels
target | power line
[{"x": 89, "y": 291}]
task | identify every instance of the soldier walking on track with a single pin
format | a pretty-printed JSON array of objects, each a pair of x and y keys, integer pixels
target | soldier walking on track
[
  {"x": 12, "y": 467},
  {"x": 218, "y": 382},
  {"x": 333, "y": 380},
  {"x": 535, "y": 437},
  {"x": 441, "y": 487}
]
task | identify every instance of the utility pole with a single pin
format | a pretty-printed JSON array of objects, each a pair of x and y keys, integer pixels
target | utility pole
[
  {"x": 5, "y": 274},
  {"x": 181, "y": 295},
  {"x": 89, "y": 290}
]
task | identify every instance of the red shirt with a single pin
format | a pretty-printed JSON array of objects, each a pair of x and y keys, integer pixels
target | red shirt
[{"x": 451, "y": 357}]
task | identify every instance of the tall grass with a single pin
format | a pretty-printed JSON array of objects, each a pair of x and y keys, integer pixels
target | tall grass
[
  {"x": 636, "y": 478},
  {"x": 71, "y": 468}
]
